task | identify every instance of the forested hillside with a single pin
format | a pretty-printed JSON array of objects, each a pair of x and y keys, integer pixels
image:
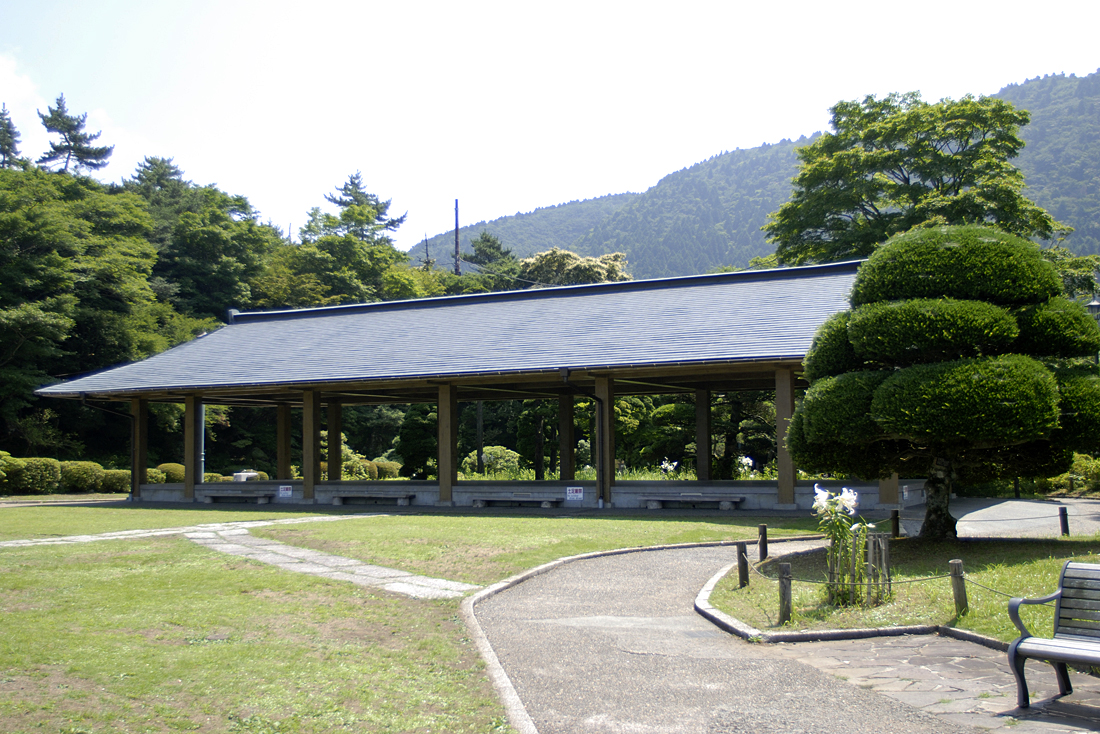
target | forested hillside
[
  {"x": 525, "y": 234},
  {"x": 701, "y": 217},
  {"x": 709, "y": 215},
  {"x": 1061, "y": 161}
]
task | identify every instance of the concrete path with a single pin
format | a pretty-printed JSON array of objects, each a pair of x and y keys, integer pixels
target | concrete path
[
  {"x": 238, "y": 542},
  {"x": 611, "y": 644}
]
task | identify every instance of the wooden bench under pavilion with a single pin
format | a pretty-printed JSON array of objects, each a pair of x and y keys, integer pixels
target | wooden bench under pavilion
[{"x": 692, "y": 335}]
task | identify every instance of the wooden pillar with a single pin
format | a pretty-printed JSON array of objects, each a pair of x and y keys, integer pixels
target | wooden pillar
[
  {"x": 282, "y": 438},
  {"x": 335, "y": 441},
  {"x": 139, "y": 446},
  {"x": 447, "y": 421},
  {"x": 702, "y": 435},
  {"x": 567, "y": 440},
  {"x": 604, "y": 446},
  {"x": 311, "y": 442},
  {"x": 888, "y": 491},
  {"x": 784, "y": 409},
  {"x": 192, "y": 445}
]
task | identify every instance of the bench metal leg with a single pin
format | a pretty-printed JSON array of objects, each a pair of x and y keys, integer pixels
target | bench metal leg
[
  {"x": 1017, "y": 664},
  {"x": 1062, "y": 672}
]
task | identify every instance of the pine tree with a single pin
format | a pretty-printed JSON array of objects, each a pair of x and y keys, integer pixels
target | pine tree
[
  {"x": 75, "y": 148},
  {"x": 9, "y": 140}
]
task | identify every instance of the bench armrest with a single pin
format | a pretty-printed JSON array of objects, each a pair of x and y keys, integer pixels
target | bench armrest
[{"x": 1014, "y": 609}]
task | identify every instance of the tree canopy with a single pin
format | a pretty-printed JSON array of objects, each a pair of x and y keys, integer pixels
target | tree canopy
[
  {"x": 9, "y": 140},
  {"x": 959, "y": 358},
  {"x": 893, "y": 163},
  {"x": 75, "y": 147}
]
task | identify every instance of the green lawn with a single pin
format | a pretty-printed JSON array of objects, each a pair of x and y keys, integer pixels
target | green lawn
[
  {"x": 1014, "y": 567},
  {"x": 162, "y": 635},
  {"x": 55, "y": 520}
]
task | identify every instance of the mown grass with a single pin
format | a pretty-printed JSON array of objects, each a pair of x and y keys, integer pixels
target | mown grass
[
  {"x": 485, "y": 549},
  {"x": 52, "y": 520},
  {"x": 161, "y": 635},
  {"x": 1013, "y": 567}
]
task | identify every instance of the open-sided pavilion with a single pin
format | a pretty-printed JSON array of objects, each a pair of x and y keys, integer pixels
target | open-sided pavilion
[{"x": 748, "y": 330}]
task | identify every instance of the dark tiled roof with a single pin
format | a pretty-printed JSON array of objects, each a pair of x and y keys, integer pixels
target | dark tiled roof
[{"x": 749, "y": 316}]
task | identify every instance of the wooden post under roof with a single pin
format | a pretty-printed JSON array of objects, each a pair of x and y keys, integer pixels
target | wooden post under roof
[
  {"x": 567, "y": 441},
  {"x": 888, "y": 491},
  {"x": 282, "y": 439},
  {"x": 139, "y": 446},
  {"x": 784, "y": 409},
  {"x": 702, "y": 435},
  {"x": 447, "y": 456},
  {"x": 191, "y": 428},
  {"x": 311, "y": 442},
  {"x": 335, "y": 441},
  {"x": 603, "y": 448}
]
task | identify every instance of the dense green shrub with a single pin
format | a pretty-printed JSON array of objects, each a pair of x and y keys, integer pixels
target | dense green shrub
[
  {"x": 1057, "y": 328},
  {"x": 36, "y": 476},
  {"x": 839, "y": 408},
  {"x": 831, "y": 352},
  {"x": 387, "y": 469},
  {"x": 8, "y": 464},
  {"x": 116, "y": 480},
  {"x": 929, "y": 330},
  {"x": 81, "y": 476},
  {"x": 1079, "y": 425},
  {"x": 155, "y": 476},
  {"x": 214, "y": 477},
  {"x": 173, "y": 473},
  {"x": 261, "y": 476},
  {"x": 972, "y": 263},
  {"x": 498, "y": 460},
  {"x": 1005, "y": 399}
]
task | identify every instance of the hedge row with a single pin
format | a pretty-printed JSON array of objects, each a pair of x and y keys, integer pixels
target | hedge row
[{"x": 49, "y": 476}]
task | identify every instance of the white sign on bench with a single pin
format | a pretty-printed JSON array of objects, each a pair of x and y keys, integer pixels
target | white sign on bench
[
  {"x": 574, "y": 493},
  {"x": 285, "y": 491}
]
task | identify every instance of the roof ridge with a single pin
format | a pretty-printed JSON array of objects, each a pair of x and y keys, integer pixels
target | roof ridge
[{"x": 238, "y": 317}]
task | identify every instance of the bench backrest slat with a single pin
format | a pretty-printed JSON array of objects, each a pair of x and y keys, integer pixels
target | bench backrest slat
[{"x": 1078, "y": 609}]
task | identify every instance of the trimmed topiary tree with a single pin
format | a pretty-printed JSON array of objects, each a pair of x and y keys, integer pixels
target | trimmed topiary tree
[{"x": 959, "y": 359}]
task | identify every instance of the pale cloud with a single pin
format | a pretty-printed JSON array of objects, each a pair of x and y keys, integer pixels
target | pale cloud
[{"x": 20, "y": 95}]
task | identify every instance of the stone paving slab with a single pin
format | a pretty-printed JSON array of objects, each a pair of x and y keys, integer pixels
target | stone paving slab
[
  {"x": 961, "y": 681},
  {"x": 237, "y": 542}
]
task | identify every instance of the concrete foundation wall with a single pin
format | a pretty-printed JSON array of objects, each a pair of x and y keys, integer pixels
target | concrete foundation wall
[{"x": 758, "y": 495}]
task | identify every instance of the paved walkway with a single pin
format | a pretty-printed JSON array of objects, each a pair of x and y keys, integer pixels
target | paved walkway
[
  {"x": 238, "y": 542},
  {"x": 610, "y": 644}
]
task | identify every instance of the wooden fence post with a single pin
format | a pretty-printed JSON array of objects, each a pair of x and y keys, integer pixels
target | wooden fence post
[
  {"x": 784, "y": 593},
  {"x": 742, "y": 565},
  {"x": 762, "y": 543},
  {"x": 895, "y": 523},
  {"x": 958, "y": 587},
  {"x": 1063, "y": 520}
]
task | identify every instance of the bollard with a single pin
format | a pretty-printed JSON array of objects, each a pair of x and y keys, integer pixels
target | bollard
[
  {"x": 784, "y": 593},
  {"x": 958, "y": 587},
  {"x": 762, "y": 543},
  {"x": 895, "y": 523},
  {"x": 1063, "y": 520},
  {"x": 742, "y": 565}
]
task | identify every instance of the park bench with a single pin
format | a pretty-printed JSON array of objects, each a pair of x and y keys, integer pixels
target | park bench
[
  {"x": 692, "y": 499},
  {"x": 259, "y": 496},
  {"x": 518, "y": 499},
  {"x": 1076, "y": 638},
  {"x": 401, "y": 499}
]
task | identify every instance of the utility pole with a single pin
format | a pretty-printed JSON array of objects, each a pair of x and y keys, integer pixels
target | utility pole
[{"x": 458, "y": 268}]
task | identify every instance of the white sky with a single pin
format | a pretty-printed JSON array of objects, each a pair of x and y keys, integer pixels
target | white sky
[{"x": 505, "y": 106}]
